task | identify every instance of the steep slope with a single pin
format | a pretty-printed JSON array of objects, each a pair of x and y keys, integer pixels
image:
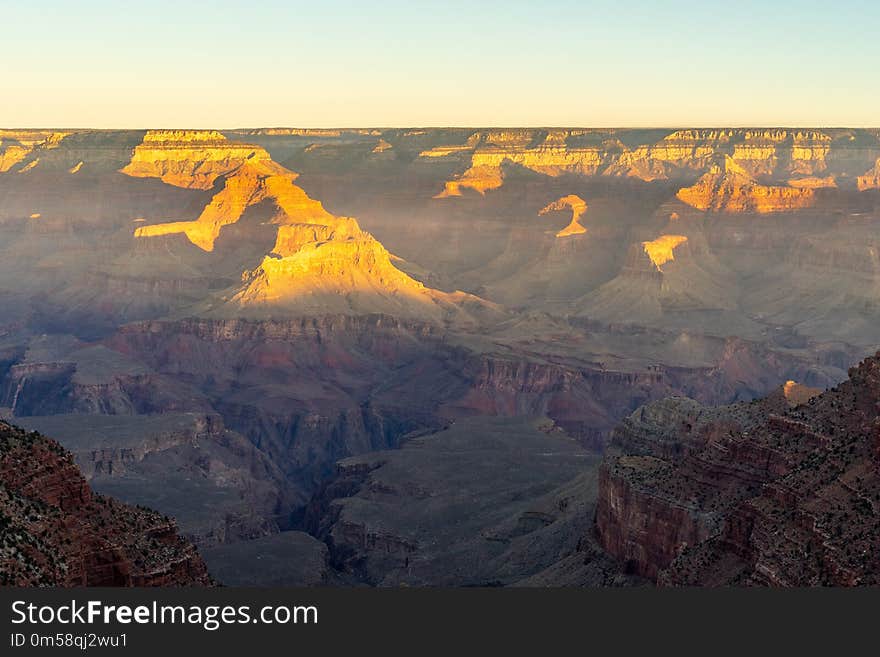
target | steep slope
[
  {"x": 780, "y": 492},
  {"x": 727, "y": 187},
  {"x": 672, "y": 273},
  {"x": 336, "y": 267},
  {"x": 56, "y": 532}
]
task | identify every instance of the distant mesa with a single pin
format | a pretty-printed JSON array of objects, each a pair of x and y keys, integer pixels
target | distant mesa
[
  {"x": 578, "y": 207},
  {"x": 193, "y": 159},
  {"x": 662, "y": 249},
  {"x": 800, "y": 154},
  {"x": 17, "y": 145},
  {"x": 727, "y": 187}
]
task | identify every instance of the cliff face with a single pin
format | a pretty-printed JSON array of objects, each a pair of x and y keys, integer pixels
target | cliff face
[
  {"x": 56, "y": 532},
  {"x": 578, "y": 207},
  {"x": 760, "y": 152},
  {"x": 18, "y": 145},
  {"x": 780, "y": 492},
  {"x": 196, "y": 160},
  {"x": 871, "y": 178},
  {"x": 193, "y": 159},
  {"x": 727, "y": 187}
]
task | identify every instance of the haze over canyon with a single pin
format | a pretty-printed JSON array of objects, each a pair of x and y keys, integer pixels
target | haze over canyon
[{"x": 440, "y": 356}]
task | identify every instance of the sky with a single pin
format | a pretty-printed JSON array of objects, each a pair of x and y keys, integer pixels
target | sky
[{"x": 331, "y": 63}]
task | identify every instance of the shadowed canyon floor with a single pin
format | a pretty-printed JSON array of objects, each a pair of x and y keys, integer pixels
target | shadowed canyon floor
[{"x": 397, "y": 355}]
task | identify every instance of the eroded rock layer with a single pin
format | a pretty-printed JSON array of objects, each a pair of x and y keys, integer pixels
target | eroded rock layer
[
  {"x": 54, "y": 531},
  {"x": 781, "y": 492}
]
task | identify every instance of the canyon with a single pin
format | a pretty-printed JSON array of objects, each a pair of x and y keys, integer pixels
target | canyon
[{"x": 397, "y": 356}]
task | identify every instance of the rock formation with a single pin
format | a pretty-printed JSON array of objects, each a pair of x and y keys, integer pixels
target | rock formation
[
  {"x": 17, "y": 145},
  {"x": 578, "y": 207},
  {"x": 56, "y": 532},
  {"x": 781, "y": 492},
  {"x": 727, "y": 187},
  {"x": 196, "y": 160},
  {"x": 335, "y": 267},
  {"x": 189, "y": 158},
  {"x": 870, "y": 179}
]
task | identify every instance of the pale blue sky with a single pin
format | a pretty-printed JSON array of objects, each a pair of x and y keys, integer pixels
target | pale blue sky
[{"x": 95, "y": 63}]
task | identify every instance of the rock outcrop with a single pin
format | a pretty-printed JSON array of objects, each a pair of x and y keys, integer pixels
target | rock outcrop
[
  {"x": 189, "y": 158},
  {"x": 780, "y": 492},
  {"x": 870, "y": 179},
  {"x": 727, "y": 187},
  {"x": 17, "y": 146},
  {"x": 250, "y": 178},
  {"x": 56, "y": 532},
  {"x": 578, "y": 207},
  {"x": 335, "y": 267}
]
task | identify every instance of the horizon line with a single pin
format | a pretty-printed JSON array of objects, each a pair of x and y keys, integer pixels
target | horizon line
[{"x": 741, "y": 126}]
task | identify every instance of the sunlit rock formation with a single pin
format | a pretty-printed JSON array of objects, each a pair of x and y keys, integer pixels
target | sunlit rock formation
[
  {"x": 661, "y": 250},
  {"x": 871, "y": 178},
  {"x": 762, "y": 152},
  {"x": 335, "y": 267},
  {"x": 727, "y": 187},
  {"x": 17, "y": 145},
  {"x": 251, "y": 183},
  {"x": 189, "y": 158},
  {"x": 552, "y": 153},
  {"x": 578, "y": 207}
]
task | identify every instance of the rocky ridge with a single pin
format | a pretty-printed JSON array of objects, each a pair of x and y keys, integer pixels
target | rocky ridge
[
  {"x": 54, "y": 531},
  {"x": 782, "y": 491}
]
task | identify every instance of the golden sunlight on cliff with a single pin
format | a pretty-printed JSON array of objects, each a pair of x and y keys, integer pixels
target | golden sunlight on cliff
[
  {"x": 578, "y": 207},
  {"x": 250, "y": 181},
  {"x": 871, "y": 178},
  {"x": 480, "y": 179},
  {"x": 661, "y": 250},
  {"x": 16, "y": 145},
  {"x": 189, "y": 158},
  {"x": 727, "y": 187},
  {"x": 336, "y": 267},
  {"x": 331, "y": 266}
]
